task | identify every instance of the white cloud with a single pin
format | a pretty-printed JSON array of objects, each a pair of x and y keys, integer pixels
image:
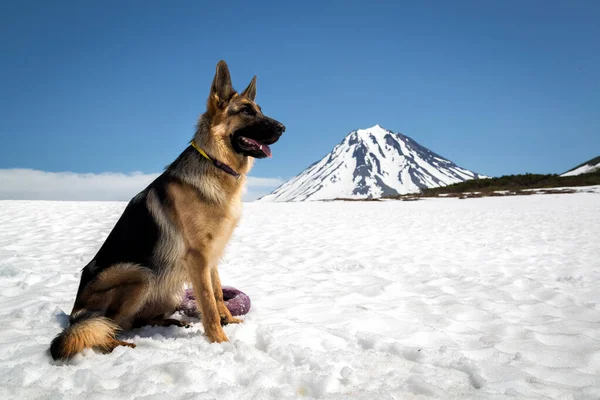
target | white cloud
[
  {"x": 254, "y": 182},
  {"x": 29, "y": 184}
]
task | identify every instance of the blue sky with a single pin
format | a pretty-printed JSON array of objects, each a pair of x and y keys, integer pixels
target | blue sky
[{"x": 498, "y": 87}]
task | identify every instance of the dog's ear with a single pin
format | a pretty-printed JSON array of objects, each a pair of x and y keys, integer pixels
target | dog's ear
[
  {"x": 250, "y": 91},
  {"x": 221, "y": 90}
]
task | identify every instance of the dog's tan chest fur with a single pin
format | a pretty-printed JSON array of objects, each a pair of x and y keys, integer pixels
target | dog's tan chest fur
[{"x": 206, "y": 227}]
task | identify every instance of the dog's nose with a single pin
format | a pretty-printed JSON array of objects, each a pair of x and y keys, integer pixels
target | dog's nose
[
  {"x": 280, "y": 127},
  {"x": 275, "y": 125}
]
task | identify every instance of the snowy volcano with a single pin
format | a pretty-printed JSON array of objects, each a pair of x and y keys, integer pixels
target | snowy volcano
[{"x": 371, "y": 163}]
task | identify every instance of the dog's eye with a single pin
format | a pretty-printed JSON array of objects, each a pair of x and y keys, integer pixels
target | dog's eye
[{"x": 248, "y": 110}]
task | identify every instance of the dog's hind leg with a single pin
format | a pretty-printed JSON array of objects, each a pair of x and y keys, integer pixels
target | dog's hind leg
[
  {"x": 118, "y": 293},
  {"x": 131, "y": 286},
  {"x": 104, "y": 306}
]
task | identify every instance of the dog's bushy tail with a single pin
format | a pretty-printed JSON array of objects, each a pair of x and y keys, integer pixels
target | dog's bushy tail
[{"x": 87, "y": 330}]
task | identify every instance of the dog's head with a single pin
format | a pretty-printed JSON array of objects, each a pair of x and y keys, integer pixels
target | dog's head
[{"x": 235, "y": 122}]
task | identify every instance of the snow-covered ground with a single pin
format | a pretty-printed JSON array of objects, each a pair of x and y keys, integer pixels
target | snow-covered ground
[{"x": 481, "y": 298}]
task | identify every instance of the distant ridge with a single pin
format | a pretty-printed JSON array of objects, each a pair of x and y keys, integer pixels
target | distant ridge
[{"x": 584, "y": 168}]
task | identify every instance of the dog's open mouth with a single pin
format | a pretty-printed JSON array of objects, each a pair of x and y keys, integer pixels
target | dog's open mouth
[
  {"x": 254, "y": 146},
  {"x": 254, "y": 140}
]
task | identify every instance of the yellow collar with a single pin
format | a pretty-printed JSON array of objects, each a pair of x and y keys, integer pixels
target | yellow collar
[{"x": 222, "y": 166}]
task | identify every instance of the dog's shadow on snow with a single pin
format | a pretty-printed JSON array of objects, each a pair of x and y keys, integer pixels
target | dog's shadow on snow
[
  {"x": 63, "y": 319},
  {"x": 166, "y": 332},
  {"x": 148, "y": 331}
]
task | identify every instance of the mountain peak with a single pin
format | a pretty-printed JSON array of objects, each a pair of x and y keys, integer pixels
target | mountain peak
[
  {"x": 375, "y": 129},
  {"x": 371, "y": 163}
]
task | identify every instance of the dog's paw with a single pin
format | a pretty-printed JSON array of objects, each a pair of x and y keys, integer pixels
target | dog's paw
[
  {"x": 114, "y": 343},
  {"x": 225, "y": 320},
  {"x": 216, "y": 335},
  {"x": 181, "y": 324},
  {"x": 219, "y": 338}
]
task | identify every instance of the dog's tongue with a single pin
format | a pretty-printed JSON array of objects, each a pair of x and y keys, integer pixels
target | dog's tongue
[{"x": 263, "y": 148}]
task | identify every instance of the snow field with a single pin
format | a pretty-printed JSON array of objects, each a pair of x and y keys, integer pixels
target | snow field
[{"x": 486, "y": 298}]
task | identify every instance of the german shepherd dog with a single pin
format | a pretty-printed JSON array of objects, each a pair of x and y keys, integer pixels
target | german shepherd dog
[{"x": 174, "y": 231}]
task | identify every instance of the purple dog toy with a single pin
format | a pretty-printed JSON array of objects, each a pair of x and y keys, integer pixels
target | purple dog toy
[{"x": 236, "y": 301}]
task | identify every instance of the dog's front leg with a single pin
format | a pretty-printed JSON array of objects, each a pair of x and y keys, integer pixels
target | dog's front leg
[
  {"x": 224, "y": 313},
  {"x": 200, "y": 275}
]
